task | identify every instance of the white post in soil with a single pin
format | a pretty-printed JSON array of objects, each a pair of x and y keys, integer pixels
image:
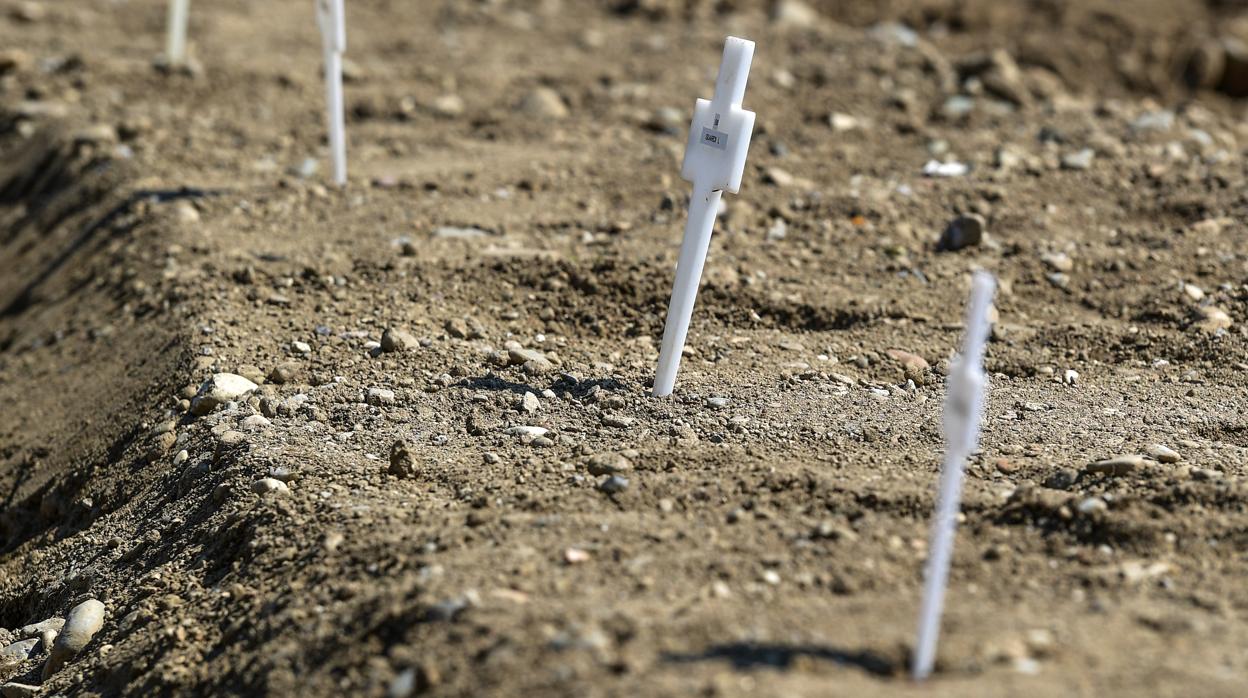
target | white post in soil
[
  {"x": 175, "y": 44},
  {"x": 964, "y": 404},
  {"x": 331, "y": 16},
  {"x": 719, "y": 139}
]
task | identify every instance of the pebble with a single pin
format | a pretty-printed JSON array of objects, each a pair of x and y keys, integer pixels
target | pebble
[
  {"x": 1121, "y": 465},
  {"x": 717, "y": 403},
  {"x": 301, "y": 347},
  {"x": 1212, "y": 318},
  {"x": 255, "y": 422},
  {"x": 1092, "y": 505},
  {"x": 1080, "y": 160},
  {"x": 533, "y": 432},
  {"x": 448, "y": 106},
  {"x": 613, "y": 484},
  {"x": 19, "y": 651},
  {"x": 962, "y": 232},
  {"x": 286, "y": 372},
  {"x": 1070, "y": 377},
  {"x": 618, "y": 421},
  {"x": 793, "y": 13},
  {"x": 1058, "y": 261},
  {"x": 608, "y": 464},
  {"x": 843, "y": 122},
  {"x": 1164, "y": 454},
  {"x": 456, "y": 233},
  {"x": 266, "y": 485},
  {"x": 1062, "y": 479},
  {"x": 82, "y": 623},
  {"x": 529, "y": 403},
  {"x": 402, "y": 459},
  {"x": 545, "y": 103},
  {"x": 218, "y": 390},
  {"x": 936, "y": 168},
  {"x": 37, "y": 629},
  {"x": 380, "y": 396},
  {"x": 531, "y": 360},
  {"x": 18, "y": 690},
  {"x": 395, "y": 340}
]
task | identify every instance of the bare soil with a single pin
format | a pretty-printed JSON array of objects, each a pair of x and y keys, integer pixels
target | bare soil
[{"x": 158, "y": 228}]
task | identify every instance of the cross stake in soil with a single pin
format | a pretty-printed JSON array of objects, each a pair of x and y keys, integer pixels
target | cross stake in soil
[
  {"x": 719, "y": 139},
  {"x": 331, "y": 17},
  {"x": 964, "y": 403},
  {"x": 175, "y": 45}
]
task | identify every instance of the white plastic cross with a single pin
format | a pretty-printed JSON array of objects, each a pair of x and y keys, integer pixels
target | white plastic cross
[
  {"x": 175, "y": 46},
  {"x": 719, "y": 139},
  {"x": 964, "y": 405},
  {"x": 331, "y": 17}
]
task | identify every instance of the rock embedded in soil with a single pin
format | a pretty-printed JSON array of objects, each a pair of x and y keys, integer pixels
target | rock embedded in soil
[
  {"x": 1210, "y": 319},
  {"x": 545, "y": 103},
  {"x": 402, "y": 459},
  {"x": 18, "y": 690},
  {"x": 613, "y": 484},
  {"x": 36, "y": 629},
  {"x": 218, "y": 390},
  {"x": 531, "y": 360},
  {"x": 269, "y": 485},
  {"x": 1121, "y": 465},
  {"x": 82, "y": 623},
  {"x": 380, "y": 396},
  {"x": 18, "y": 652},
  {"x": 608, "y": 464},
  {"x": 395, "y": 340},
  {"x": 964, "y": 231},
  {"x": 286, "y": 372},
  {"x": 1164, "y": 454}
]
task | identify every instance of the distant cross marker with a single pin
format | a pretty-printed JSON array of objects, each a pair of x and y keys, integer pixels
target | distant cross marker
[
  {"x": 175, "y": 44},
  {"x": 964, "y": 404},
  {"x": 331, "y": 16},
  {"x": 719, "y": 139}
]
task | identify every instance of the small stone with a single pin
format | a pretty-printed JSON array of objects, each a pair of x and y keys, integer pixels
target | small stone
[
  {"x": 255, "y": 422},
  {"x": 613, "y": 484},
  {"x": 574, "y": 556},
  {"x": 286, "y": 372},
  {"x": 1092, "y": 505},
  {"x": 1210, "y": 319},
  {"x": 1122, "y": 465},
  {"x": 1070, "y": 377},
  {"x": 448, "y": 106},
  {"x": 717, "y": 403},
  {"x": 529, "y": 403},
  {"x": 457, "y": 233},
  {"x": 843, "y": 122},
  {"x": 81, "y": 624},
  {"x": 218, "y": 390},
  {"x": 1058, "y": 261},
  {"x": 267, "y": 485},
  {"x": 1080, "y": 160},
  {"x": 37, "y": 629},
  {"x": 608, "y": 464},
  {"x": 529, "y": 357},
  {"x": 403, "y": 459},
  {"x": 301, "y": 347},
  {"x": 1155, "y": 121},
  {"x": 1194, "y": 292},
  {"x": 936, "y": 168},
  {"x": 545, "y": 103},
  {"x": 531, "y": 432},
  {"x": 618, "y": 421},
  {"x": 20, "y": 651},
  {"x": 1063, "y": 479},
  {"x": 793, "y": 13},
  {"x": 395, "y": 340},
  {"x": 18, "y": 690},
  {"x": 1164, "y": 454},
  {"x": 963, "y": 231},
  {"x": 380, "y": 396}
]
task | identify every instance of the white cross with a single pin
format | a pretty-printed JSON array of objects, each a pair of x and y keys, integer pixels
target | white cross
[
  {"x": 964, "y": 406},
  {"x": 719, "y": 139}
]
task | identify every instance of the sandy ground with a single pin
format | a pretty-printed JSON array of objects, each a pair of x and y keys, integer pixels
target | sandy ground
[{"x": 500, "y": 261}]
